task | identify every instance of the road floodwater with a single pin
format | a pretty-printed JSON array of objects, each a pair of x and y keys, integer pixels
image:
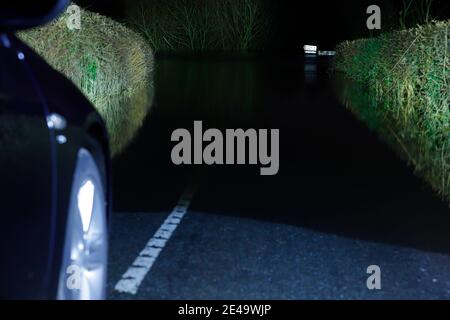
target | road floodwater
[{"x": 342, "y": 201}]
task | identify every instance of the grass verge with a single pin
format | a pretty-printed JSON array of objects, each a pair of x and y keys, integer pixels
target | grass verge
[
  {"x": 406, "y": 74},
  {"x": 109, "y": 63}
]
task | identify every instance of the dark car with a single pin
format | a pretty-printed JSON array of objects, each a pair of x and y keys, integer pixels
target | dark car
[{"x": 54, "y": 172}]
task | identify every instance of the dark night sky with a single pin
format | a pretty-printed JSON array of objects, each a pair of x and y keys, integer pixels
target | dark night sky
[
  {"x": 298, "y": 21},
  {"x": 330, "y": 22}
]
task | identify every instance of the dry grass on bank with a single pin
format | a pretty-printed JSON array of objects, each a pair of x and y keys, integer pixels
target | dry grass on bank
[{"x": 111, "y": 64}]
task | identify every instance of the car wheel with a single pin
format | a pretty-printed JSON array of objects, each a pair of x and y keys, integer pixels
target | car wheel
[{"x": 83, "y": 269}]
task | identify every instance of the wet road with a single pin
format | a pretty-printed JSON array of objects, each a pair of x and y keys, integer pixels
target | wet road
[{"x": 342, "y": 201}]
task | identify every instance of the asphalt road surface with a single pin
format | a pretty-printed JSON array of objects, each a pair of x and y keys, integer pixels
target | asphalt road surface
[{"x": 341, "y": 202}]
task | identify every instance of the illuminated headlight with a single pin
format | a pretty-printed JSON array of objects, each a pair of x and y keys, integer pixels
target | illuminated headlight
[{"x": 86, "y": 203}]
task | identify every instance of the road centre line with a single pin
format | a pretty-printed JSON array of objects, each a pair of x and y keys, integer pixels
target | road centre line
[{"x": 133, "y": 277}]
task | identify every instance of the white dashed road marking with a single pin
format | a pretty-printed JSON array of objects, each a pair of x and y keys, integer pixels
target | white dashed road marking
[{"x": 133, "y": 277}]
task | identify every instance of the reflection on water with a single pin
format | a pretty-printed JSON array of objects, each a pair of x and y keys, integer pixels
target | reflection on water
[
  {"x": 260, "y": 93},
  {"x": 222, "y": 94},
  {"x": 310, "y": 69},
  {"x": 355, "y": 97},
  {"x": 218, "y": 93},
  {"x": 407, "y": 137},
  {"x": 229, "y": 93},
  {"x": 126, "y": 116}
]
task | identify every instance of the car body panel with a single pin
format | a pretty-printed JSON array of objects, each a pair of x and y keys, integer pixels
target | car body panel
[
  {"x": 35, "y": 170},
  {"x": 26, "y": 181}
]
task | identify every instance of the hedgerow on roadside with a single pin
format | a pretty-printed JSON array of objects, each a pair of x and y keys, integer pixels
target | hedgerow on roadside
[
  {"x": 407, "y": 74},
  {"x": 111, "y": 64}
]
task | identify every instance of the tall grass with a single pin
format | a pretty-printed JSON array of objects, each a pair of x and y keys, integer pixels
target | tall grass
[
  {"x": 197, "y": 26},
  {"x": 416, "y": 12},
  {"x": 109, "y": 63},
  {"x": 407, "y": 74}
]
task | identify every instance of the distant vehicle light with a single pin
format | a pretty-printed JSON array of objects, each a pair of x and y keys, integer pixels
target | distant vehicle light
[
  {"x": 309, "y": 49},
  {"x": 327, "y": 53}
]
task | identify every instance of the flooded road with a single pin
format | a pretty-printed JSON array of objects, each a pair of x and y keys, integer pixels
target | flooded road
[{"x": 341, "y": 201}]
